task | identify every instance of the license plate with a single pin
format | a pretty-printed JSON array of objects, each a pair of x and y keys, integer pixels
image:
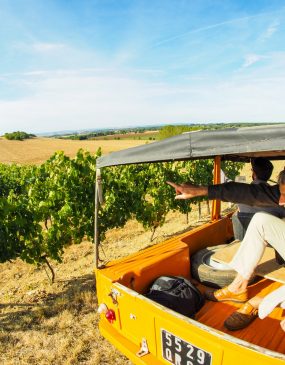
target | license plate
[{"x": 179, "y": 352}]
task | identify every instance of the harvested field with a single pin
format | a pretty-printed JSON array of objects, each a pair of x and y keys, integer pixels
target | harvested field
[
  {"x": 38, "y": 150},
  {"x": 131, "y": 135}
]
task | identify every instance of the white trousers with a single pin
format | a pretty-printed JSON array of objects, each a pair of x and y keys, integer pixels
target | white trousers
[{"x": 263, "y": 229}]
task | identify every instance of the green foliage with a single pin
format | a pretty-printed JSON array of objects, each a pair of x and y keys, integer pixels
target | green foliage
[
  {"x": 19, "y": 136},
  {"x": 231, "y": 170},
  {"x": 18, "y": 229},
  {"x": 63, "y": 191},
  {"x": 14, "y": 178},
  {"x": 155, "y": 197},
  {"x": 45, "y": 208},
  {"x": 120, "y": 194},
  {"x": 173, "y": 130}
]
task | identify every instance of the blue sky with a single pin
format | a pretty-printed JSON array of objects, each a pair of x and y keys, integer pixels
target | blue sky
[{"x": 82, "y": 64}]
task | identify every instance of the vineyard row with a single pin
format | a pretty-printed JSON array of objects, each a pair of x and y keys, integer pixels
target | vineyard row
[{"x": 45, "y": 208}]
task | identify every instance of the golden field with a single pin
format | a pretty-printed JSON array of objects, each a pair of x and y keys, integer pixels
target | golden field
[
  {"x": 38, "y": 150},
  {"x": 43, "y": 323}
]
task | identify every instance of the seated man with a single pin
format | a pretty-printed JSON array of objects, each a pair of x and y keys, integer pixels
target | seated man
[
  {"x": 261, "y": 172},
  {"x": 263, "y": 229}
]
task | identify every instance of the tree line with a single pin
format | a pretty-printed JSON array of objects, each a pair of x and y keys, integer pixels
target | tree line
[{"x": 18, "y": 135}]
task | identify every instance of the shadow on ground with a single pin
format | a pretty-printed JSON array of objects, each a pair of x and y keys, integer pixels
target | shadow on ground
[{"x": 77, "y": 295}]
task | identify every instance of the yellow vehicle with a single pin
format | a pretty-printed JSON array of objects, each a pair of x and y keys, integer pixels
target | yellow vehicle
[{"x": 149, "y": 333}]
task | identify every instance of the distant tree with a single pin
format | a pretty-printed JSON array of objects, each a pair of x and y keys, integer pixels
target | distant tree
[{"x": 19, "y": 136}]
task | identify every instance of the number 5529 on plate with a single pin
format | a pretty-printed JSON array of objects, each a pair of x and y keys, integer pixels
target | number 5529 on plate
[{"x": 179, "y": 352}]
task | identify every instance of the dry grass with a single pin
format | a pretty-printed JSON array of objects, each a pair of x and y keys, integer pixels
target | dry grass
[
  {"x": 38, "y": 150},
  {"x": 42, "y": 323},
  {"x": 57, "y": 324}
]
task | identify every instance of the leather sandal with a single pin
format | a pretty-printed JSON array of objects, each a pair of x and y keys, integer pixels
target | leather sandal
[
  {"x": 224, "y": 294},
  {"x": 241, "y": 318}
]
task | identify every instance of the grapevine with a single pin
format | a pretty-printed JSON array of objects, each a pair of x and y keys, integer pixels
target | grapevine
[{"x": 45, "y": 208}]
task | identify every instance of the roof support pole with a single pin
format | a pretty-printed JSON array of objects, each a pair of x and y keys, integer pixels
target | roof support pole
[
  {"x": 98, "y": 194},
  {"x": 216, "y": 204}
]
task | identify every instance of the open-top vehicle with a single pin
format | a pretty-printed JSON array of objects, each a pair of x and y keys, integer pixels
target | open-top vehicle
[{"x": 149, "y": 333}]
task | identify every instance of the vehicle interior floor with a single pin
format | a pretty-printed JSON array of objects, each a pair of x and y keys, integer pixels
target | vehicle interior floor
[{"x": 266, "y": 333}]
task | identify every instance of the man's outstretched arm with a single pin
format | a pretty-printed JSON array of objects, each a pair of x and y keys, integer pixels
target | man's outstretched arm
[
  {"x": 250, "y": 194},
  {"x": 188, "y": 191}
]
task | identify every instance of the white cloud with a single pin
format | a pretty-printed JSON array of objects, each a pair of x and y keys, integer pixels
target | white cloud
[
  {"x": 40, "y": 47},
  {"x": 100, "y": 99},
  {"x": 273, "y": 27},
  {"x": 251, "y": 59},
  {"x": 47, "y": 47},
  {"x": 234, "y": 21}
]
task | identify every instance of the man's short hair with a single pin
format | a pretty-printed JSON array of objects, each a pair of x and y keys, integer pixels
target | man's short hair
[{"x": 262, "y": 167}]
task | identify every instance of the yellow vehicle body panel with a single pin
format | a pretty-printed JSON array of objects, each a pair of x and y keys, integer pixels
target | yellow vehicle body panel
[
  {"x": 122, "y": 283},
  {"x": 151, "y": 318}
]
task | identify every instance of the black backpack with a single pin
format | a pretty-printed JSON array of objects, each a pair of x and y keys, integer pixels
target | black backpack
[{"x": 176, "y": 293}]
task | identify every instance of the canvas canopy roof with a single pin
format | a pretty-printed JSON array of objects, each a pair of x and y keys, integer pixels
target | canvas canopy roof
[{"x": 231, "y": 143}]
